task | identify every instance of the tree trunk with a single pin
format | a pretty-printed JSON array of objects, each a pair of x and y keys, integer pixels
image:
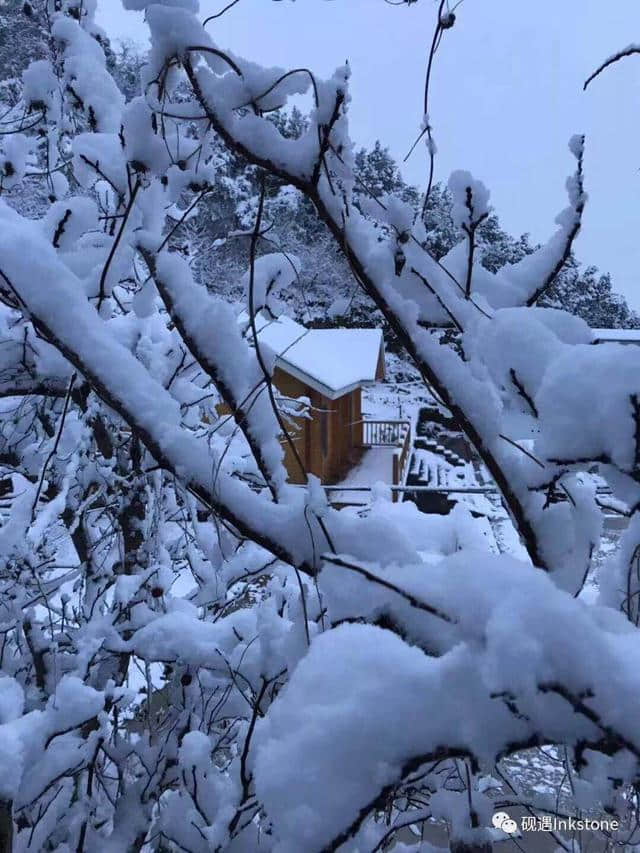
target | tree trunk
[{"x": 6, "y": 827}]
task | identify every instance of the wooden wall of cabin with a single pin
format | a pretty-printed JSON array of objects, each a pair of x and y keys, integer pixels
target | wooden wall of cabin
[
  {"x": 337, "y": 435},
  {"x": 319, "y": 440},
  {"x": 356, "y": 421},
  {"x": 314, "y": 438},
  {"x": 289, "y": 386},
  {"x": 339, "y": 459},
  {"x": 330, "y": 442}
]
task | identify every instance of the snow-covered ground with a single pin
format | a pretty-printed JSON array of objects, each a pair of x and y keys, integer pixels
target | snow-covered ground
[
  {"x": 403, "y": 400},
  {"x": 372, "y": 473}
]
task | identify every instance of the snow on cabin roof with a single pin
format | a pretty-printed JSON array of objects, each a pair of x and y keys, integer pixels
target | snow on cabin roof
[
  {"x": 622, "y": 335},
  {"x": 331, "y": 361}
]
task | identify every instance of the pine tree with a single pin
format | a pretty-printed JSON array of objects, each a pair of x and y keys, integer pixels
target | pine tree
[
  {"x": 377, "y": 174},
  {"x": 589, "y": 294}
]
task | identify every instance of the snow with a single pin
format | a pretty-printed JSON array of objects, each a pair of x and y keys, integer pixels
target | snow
[
  {"x": 373, "y": 474},
  {"x": 14, "y": 158},
  {"x": 24, "y": 764},
  {"x": 85, "y": 73},
  {"x": 338, "y": 307},
  {"x": 518, "y": 346},
  {"x": 535, "y": 269},
  {"x": 585, "y": 404},
  {"x": 125, "y": 379},
  {"x": 214, "y": 337},
  {"x": 66, "y": 221},
  {"x": 620, "y": 335},
  {"x": 145, "y": 149},
  {"x": 182, "y": 636},
  {"x": 302, "y": 659},
  {"x": 40, "y": 84},
  {"x": 11, "y": 699},
  {"x": 139, "y": 5},
  {"x": 332, "y": 361},
  {"x": 350, "y": 735},
  {"x": 470, "y": 199},
  {"x": 273, "y": 273},
  {"x": 375, "y": 466},
  {"x": 195, "y": 750},
  {"x": 350, "y": 704}
]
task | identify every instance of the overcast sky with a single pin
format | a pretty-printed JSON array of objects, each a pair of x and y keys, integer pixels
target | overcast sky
[{"x": 507, "y": 96}]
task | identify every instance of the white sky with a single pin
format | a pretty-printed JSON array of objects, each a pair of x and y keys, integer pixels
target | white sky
[{"x": 506, "y": 98}]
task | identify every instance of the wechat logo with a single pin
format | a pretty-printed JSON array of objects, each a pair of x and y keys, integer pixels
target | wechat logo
[{"x": 501, "y": 820}]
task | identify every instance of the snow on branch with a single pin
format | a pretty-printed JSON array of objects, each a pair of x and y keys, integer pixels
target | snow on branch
[
  {"x": 474, "y": 699},
  {"x": 630, "y": 50},
  {"x": 210, "y": 330},
  {"x": 535, "y": 273},
  {"x": 402, "y": 299},
  {"x": 64, "y": 317}
]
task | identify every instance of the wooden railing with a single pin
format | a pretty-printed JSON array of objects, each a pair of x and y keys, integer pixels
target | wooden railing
[
  {"x": 401, "y": 460},
  {"x": 396, "y": 434},
  {"x": 384, "y": 433}
]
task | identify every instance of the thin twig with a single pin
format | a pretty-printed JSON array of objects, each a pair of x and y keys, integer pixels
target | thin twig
[{"x": 54, "y": 449}]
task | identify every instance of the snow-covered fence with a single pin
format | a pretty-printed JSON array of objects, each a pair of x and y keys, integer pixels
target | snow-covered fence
[
  {"x": 390, "y": 433},
  {"x": 384, "y": 433},
  {"x": 401, "y": 458}
]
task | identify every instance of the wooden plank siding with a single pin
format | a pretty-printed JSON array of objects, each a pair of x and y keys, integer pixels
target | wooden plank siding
[
  {"x": 356, "y": 419},
  {"x": 289, "y": 386},
  {"x": 330, "y": 442}
]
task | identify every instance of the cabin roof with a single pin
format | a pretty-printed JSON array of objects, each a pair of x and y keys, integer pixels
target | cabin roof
[
  {"x": 623, "y": 335},
  {"x": 331, "y": 361}
]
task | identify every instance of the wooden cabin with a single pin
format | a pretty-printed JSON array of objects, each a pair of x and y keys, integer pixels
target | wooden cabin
[{"x": 329, "y": 367}]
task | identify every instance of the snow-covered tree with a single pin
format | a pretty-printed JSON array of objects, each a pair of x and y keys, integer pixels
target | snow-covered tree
[
  {"x": 582, "y": 291},
  {"x": 22, "y": 40},
  {"x": 125, "y": 61},
  {"x": 589, "y": 294},
  {"x": 195, "y": 654},
  {"x": 377, "y": 174}
]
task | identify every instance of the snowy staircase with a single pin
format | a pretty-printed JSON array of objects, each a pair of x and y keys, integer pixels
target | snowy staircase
[{"x": 435, "y": 464}]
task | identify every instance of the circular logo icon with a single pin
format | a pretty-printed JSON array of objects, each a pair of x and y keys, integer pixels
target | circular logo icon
[{"x": 501, "y": 820}]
